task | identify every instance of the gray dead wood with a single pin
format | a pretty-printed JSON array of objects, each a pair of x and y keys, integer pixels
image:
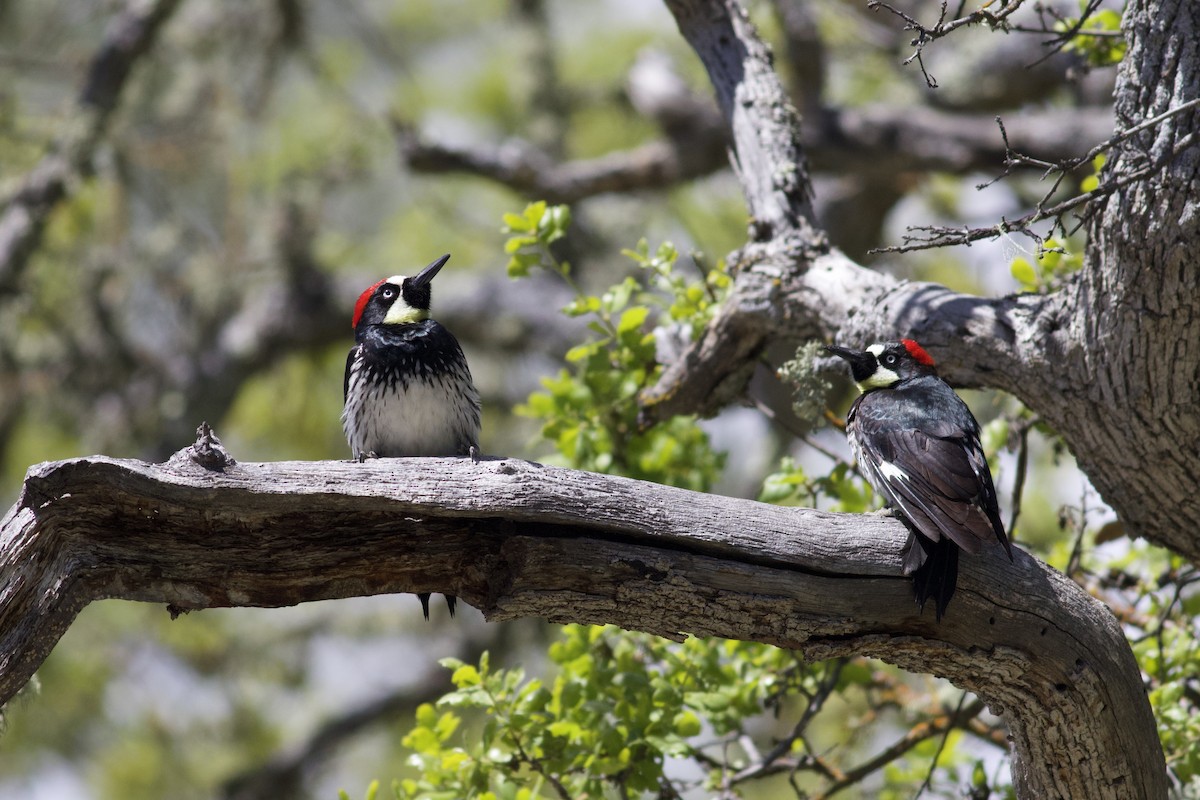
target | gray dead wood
[{"x": 515, "y": 538}]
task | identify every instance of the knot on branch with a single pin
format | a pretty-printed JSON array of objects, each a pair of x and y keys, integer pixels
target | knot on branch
[{"x": 207, "y": 451}]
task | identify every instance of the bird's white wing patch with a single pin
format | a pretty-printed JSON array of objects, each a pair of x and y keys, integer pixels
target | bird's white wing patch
[{"x": 889, "y": 470}]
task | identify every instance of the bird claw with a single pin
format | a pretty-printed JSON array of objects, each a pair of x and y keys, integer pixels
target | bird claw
[{"x": 474, "y": 454}]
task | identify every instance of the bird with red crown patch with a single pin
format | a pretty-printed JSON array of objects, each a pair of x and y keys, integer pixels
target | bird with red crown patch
[
  {"x": 407, "y": 388},
  {"x": 917, "y": 443}
]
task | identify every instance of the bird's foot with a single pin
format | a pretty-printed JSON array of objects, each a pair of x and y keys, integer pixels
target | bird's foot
[
  {"x": 362, "y": 457},
  {"x": 886, "y": 511},
  {"x": 474, "y": 454}
]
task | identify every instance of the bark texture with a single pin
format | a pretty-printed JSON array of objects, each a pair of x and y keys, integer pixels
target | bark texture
[
  {"x": 1128, "y": 362},
  {"x": 516, "y": 538},
  {"x": 1109, "y": 359}
]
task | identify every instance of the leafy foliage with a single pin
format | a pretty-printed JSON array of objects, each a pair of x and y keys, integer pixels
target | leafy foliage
[
  {"x": 617, "y": 708},
  {"x": 1167, "y": 610},
  {"x": 1052, "y": 261},
  {"x": 1099, "y": 40},
  {"x": 590, "y": 412},
  {"x": 791, "y": 485}
]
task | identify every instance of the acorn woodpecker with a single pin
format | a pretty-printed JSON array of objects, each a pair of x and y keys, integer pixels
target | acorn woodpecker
[
  {"x": 407, "y": 389},
  {"x": 917, "y": 444}
]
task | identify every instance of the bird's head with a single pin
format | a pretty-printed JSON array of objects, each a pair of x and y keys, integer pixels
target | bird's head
[
  {"x": 886, "y": 363},
  {"x": 397, "y": 300}
]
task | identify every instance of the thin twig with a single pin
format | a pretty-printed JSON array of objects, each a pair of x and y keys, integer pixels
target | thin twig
[
  {"x": 905, "y": 743},
  {"x": 925, "y": 34},
  {"x": 1019, "y": 477},
  {"x": 1074, "y": 563},
  {"x": 936, "y": 236},
  {"x": 941, "y": 746}
]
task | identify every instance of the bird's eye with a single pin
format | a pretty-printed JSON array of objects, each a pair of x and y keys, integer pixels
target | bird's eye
[
  {"x": 889, "y": 359},
  {"x": 388, "y": 293}
]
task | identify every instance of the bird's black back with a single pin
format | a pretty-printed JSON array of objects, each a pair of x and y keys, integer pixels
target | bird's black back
[{"x": 922, "y": 430}]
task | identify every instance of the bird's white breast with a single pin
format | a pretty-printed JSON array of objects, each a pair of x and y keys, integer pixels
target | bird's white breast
[{"x": 433, "y": 417}]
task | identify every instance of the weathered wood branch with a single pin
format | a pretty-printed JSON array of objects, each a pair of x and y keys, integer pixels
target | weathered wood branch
[
  {"x": 871, "y": 141},
  {"x": 520, "y": 539}
]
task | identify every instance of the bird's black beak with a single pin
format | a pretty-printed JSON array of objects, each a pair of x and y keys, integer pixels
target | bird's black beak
[
  {"x": 862, "y": 363},
  {"x": 426, "y": 275}
]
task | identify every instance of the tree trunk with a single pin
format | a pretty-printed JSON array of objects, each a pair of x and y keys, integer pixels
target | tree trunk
[
  {"x": 1129, "y": 372},
  {"x": 520, "y": 539}
]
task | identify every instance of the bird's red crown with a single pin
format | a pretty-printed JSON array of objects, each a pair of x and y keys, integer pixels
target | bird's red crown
[
  {"x": 915, "y": 350},
  {"x": 365, "y": 297}
]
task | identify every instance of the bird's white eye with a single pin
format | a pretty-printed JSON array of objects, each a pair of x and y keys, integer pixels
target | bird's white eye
[
  {"x": 889, "y": 359},
  {"x": 388, "y": 293}
]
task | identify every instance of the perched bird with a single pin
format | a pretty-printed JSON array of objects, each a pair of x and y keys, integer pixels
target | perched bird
[
  {"x": 917, "y": 444},
  {"x": 407, "y": 389}
]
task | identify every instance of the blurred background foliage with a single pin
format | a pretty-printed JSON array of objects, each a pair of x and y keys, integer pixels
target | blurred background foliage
[{"x": 266, "y": 160}]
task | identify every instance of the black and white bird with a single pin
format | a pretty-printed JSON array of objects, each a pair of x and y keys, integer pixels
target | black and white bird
[
  {"x": 408, "y": 390},
  {"x": 917, "y": 444}
]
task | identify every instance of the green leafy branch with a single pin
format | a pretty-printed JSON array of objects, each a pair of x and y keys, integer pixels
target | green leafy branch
[
  {"x": 618, "y": 707},
  {"x": 1095, "y": 34},
  {"x": 590, "y": 412}
]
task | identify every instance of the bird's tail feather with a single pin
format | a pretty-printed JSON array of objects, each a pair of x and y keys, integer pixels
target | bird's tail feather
[
  {"x": 451, "y": 603},
  {"x": 934, "y": 570}
]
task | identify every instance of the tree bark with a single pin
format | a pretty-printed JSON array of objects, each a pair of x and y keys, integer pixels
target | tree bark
[
  {"x": 1128, "y": 362},
  {"x": 516, "y": 538},
  {"x": 1108, "y": 359}
]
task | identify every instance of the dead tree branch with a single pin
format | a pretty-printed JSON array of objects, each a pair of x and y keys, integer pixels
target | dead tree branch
[{"x": 520, "y": 539}]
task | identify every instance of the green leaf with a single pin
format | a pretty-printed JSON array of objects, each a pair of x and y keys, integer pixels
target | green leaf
[
  {"x": 708, "y": 701},
  {"x": 566, "y": 729},
  {"x": 686, "y": 724},
  {"x": 426, "y": 714},
  {"x": 515, "y": 223},
  {"x": 520, "y": 264},
  {"x": 446, "y": 725},
  {"x": 515, "y": 243},
  {"x": 1024, "y": 273},
  {"x": 534, "y": 212},
  {"x": 582, "y": 351},
  {"x": 465, "y": 676},
  {"x": 632, "y": 319}
]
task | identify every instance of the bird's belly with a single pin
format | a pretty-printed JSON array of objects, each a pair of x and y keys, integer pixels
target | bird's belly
[{"x": 420, "y": 419}]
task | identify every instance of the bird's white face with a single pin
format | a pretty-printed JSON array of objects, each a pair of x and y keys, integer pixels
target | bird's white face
[
  {"x": 400, "y": 312},
  {"x": 883, "y": 376}
]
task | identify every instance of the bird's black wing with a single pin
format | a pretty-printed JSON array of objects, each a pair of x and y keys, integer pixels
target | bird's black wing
[
  {"x": 941, "y": 484},
  {"x": 349, "y": 365}
]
